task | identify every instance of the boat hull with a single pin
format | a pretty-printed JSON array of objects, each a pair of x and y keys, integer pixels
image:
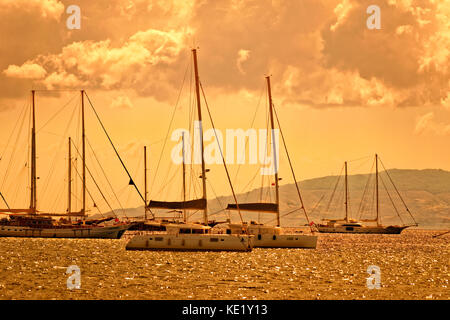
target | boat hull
[
  {"x": 285, "y": 241},
  {"x": 96, "y": 232},
  {"x": 361, "y": 230},
  {"x": 190, "y": 242}
]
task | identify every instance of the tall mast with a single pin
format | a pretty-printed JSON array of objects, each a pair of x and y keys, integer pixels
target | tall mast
[
  {"x": 199, "y": 111},
  {"x": 69, "y": 180},
  {"x": 277, "y": 196},
  {"x": 376, "y": 183},
  {"x": 184, "y": 182},
  {"x": 83, "y": 154},
  {"x": 33, "y": 201},
  {"x": 346, "y": 193},
  {"x": 145, "y": 182}
]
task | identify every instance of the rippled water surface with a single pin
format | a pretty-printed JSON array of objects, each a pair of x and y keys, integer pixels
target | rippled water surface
[{"x": 414, "y": 265}]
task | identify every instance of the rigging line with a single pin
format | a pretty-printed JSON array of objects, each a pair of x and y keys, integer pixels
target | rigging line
[
  {"x": 106, "y": 177},
  {"x": 217, "y": 198},
  {"x": 167, "y": 174},
  {"x": 89, "y": 193},
  {"x": 56, "y": 156},
  {"x": 365, "y": 190},
  {"x": 327, "y": 208},
  {"x": 392, "y": 201},
  {"x": 317, "y": 204},
  {"x": 13, "y": 152},
  {"x": 290, "y": 164},
  {"x": 57, "y": 198},
  {"x": 4, "y": 200},
  {"x": 359, "y": 166},
  {"x": 401, "y": 198},
  {"x": 95, "y": 169},
  {"x": 117, "y": 153},
  {"x": 138, "y": 169},
  {"x": 250, "y": 184},
  {"x": 359, "y": 159},
  {"x": 284, "y": 215},
  {"x": 23, "y": 110},
  {"x": 167, "y": 183},
  {"x": 192, "y": 214},
  {"x": 52, "y": 133},
  {"x": 265, "y": 159},
  {"x": 372, "y": 204},
  {"x": 56, "y": 113},
  {"x": 95, "y": 182},
  {"x": 339, "y": 203},
  {"x": 217, "y": 212},
  {"x": 221, "y": 153},
  {"x": 168, "y": 129},
  {"x": 266, "y": 146},
  {"x": 251, "y": 126}
]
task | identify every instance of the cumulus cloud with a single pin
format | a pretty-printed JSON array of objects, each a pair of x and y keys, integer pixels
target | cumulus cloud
[
  {"x": 341, "y": 12},
  {"x": 426, "y": 123},
  {"x": 100, "y": 64},
  {"x": 319, "y": 52},
  {"x": 52, "y": 9},
  {"x": 243, "y": 56},
  {"x": 121, "y": 102},
  {"x": 409, "y": 55},
  {"x": 27, "y": 71}
]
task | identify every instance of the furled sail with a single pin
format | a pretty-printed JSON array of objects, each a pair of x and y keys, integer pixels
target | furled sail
[
  {"x": 31, "y": 210},
  {"x": 264, "y": 207},
  {"x": 190, "y": 204}
]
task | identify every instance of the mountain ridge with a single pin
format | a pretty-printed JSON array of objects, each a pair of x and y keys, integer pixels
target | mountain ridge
[{"x": 426, "y": 192}]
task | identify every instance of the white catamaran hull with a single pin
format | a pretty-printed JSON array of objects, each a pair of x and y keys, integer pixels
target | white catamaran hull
[
  {"x": 372, "y": 230},
  {"x": 106, "y": 232},
  {"x": 191, "y": 242},
  {"x": 285, "y": 241}
]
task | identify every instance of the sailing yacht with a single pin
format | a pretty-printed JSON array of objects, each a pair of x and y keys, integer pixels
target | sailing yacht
[
  {"x": 348, "y": 225},
  {"x": 31, "y": 223},
  {"x": 268, "y": 236},
  {"x": 184, "y": 236}
]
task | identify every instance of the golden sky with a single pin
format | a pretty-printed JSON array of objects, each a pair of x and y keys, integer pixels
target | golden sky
[{"x": 342, "y": 91}]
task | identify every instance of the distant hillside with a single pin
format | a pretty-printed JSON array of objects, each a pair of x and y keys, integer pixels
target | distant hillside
[
  {"x": 425, "y": 192},
  {"x": 434, "y": 181}
]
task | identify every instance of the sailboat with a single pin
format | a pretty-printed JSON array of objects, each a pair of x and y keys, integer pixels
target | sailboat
[
  {"x": 348, "y": 225},
  {"x": 32, "y": 223},
  {"x": 269, "y": 236},
  {"x": 184, "y": 236}
]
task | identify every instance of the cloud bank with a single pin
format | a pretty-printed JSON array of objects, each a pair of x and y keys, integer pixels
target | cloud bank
[{"x": 320, "y": 52}]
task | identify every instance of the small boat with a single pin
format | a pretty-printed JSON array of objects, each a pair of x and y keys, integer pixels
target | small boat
[
  {"x": 353, "y": 226},
  {"x": 268, "y": 236},
  {"x": 348, "y": 225},
  {"x": 184, "y": 236}
]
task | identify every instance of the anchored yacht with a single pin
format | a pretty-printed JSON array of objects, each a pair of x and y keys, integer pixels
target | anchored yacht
[{"x": 184, "y": 236}]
